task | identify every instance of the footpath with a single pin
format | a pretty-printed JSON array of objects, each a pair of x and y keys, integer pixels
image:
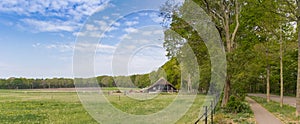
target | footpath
[
  {"x": 286, "y": 99},
  {"x": 262, "y": 115}
]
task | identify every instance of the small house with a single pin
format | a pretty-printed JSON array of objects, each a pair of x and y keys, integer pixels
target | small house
[{"x": 162, "y": 85}]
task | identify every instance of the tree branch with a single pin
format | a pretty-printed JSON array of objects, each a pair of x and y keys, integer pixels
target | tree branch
[
  {"x": 216, "y": 15},
  {"x": 237, "y": 22},
  {"x": 207, "y": 5}
]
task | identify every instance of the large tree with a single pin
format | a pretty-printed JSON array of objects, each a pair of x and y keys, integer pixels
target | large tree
[
  {"x": 226, "y": 15},
  {"x": 298, "y": 78}
]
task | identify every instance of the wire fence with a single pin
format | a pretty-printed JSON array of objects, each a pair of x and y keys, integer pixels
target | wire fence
[{"x": 209, "y": 111}]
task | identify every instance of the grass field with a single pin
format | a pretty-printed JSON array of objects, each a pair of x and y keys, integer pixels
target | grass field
[
  {"x": 63, "y": 106},
  {"x": 26, "y": 106}
]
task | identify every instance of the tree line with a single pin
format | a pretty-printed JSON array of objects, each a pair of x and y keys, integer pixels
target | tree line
[
  {"x": 136, "y": 80},
  {"x": 24, "y": 83},
  {"x": 261, "y": 40}
]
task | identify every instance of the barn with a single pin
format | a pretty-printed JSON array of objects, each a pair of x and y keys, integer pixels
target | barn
[{"x": 161, "y": 85}]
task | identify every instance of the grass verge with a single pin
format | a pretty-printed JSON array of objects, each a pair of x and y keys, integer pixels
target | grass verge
[{"x": 230, "y": 118}]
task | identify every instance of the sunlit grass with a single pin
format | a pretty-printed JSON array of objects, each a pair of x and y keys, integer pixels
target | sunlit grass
[
  {"x": 46, "y": 106},
  {"x": 51, "y": 106},
  {"x": 18, "y": 106}
]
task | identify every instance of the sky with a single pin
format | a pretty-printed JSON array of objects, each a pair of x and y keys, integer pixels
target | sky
[{"x": 39, "y": 38}]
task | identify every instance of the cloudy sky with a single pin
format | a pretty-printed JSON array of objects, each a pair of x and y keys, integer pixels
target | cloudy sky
[{"x": 39, "y": 38}]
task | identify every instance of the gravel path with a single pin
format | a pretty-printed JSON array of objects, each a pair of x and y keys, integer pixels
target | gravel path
[
  {"x": 286, "y": 99},
  {"x": 262, "y": 115}
]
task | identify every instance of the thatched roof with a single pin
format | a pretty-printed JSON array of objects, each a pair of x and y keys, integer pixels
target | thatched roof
[{"x": 162, "y": 81}]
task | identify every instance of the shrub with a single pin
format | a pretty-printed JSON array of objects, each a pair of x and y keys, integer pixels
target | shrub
[{"x": 235, "y": 105}]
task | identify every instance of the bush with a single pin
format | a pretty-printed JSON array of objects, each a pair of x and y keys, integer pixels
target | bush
[{"x": 235, "y": 105}]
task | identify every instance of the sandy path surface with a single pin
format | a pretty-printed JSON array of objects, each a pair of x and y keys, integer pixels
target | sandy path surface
[
  {"x": 262, "y": 115},
  {"x": 286, "y": 99}
]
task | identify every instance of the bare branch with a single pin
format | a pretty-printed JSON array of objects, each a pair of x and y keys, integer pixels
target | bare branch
[
  {"x": 207, "y": 5},
  {"x": 218, "y": 15},
  {"x": 237, "y": 21}
]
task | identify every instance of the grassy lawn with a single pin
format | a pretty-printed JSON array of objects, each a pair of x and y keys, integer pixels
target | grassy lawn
[
  {"x": 22, "y": 106},
  {"x": 64, "y": 106},
  {"x": 286, "y": 114},
  {"x": 51, "y": 106}
]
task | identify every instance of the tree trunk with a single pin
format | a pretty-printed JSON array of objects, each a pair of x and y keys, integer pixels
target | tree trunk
[
  {"x": 224, "y": 16},
  {"x": 226, "y": 92},
  {"x": 228, "y": 45},
  {"x": 268, "y": 74},
  {"x": 189, "y": 83},
  {"x": 281, "y": 72},
  {"x": 298, "y": 77}
]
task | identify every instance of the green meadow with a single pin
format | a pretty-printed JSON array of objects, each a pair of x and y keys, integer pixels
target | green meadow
[{"x": 64, "y": 106}]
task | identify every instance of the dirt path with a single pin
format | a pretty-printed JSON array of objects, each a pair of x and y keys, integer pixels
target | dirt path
[
  {"x": 286, "y": 99},
  {"x": 261, "y": 115}
]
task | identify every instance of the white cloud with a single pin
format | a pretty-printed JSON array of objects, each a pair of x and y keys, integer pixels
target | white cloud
[
  {"x": 105, "y": 17},
  {"x": 78, "y": 34},
  {"x": 51, "y": 26},
  {"x": 102, "y": 46},
  {"x": 158, "y": 32},
  {"x": 131, "y": 30},
  {"x": 117, "y": 24},
  {"x": 116, "y": 14},
  {"x": 70, "y": 47},
  {"x": 51, "y": 46},
  {"x": 91, "y": 47},
  {"x": 101, "y": 23},
  {"x": 104, "y": 26},
  {"x": 125, "y": 36},
  {"x": 155, "y": 17},
  {"x": 153, "y": 32},
  {"x": 61, "y": 47},
  {"x": 36, "y": 45},
  {"x": 144, "y": 41},
  {"x": 91, "y": 27},
  {"x": 143, "y": 14},
  {"x": 146, "y": 33},
  {"x": 61, "y": 15},
  {"x": 131, "y": 23},
  {"x": 96, "y": 29},
  {"x": 136, "y": 18},
  {"x": 97, "y": 35},
  {"x": 53, "y": 7}
]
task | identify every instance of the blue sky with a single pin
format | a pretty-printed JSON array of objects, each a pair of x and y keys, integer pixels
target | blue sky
[{"x": 38, "y": 37}]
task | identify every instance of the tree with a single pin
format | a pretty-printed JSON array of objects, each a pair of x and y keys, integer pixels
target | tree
[
  {"x": 180, "y": 37},
  {"x": 298, "y": 77},
  {"x": 281, "y": 70},
  {"x": 225, "y": 14}
]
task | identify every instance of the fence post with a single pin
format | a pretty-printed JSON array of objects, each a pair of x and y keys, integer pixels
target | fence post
[
  {"x": 212, "y": 111},
  {"x": 216, "y": 103},
  {"x": 205, "y": 115}
]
